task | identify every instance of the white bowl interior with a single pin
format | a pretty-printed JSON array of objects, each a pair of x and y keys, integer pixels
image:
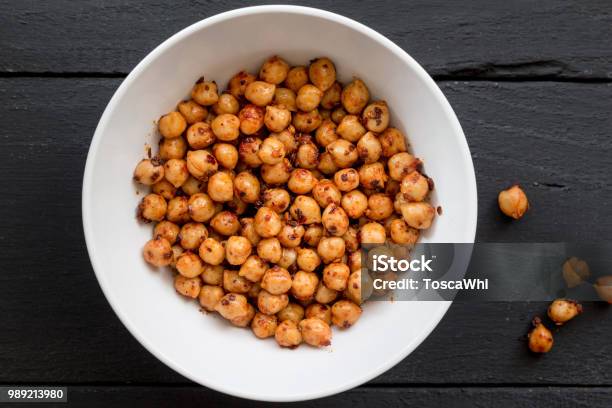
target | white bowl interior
[{"x": 204, "y": 348}]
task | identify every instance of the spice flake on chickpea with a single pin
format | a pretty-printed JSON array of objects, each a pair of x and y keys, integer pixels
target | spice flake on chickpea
[{"x": 264, "y": 192}]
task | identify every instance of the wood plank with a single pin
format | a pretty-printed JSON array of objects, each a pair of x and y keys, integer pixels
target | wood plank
[
  {"x": 57, "y": 326},
  {"x": 548, "y": 39},
  {"x": 365, "y": 397}
]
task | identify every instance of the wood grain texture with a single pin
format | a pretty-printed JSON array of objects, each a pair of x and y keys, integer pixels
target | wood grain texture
[
  {"x": 566, "y": 39},
  {"x": 58, "y": 328},
  {"x": 365, "y": 397}
]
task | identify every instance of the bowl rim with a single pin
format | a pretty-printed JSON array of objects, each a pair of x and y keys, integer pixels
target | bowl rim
[{"x": 87, "y": 191}]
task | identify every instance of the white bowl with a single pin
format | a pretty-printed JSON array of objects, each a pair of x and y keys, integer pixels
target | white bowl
[{"x": 204, "y": 348}]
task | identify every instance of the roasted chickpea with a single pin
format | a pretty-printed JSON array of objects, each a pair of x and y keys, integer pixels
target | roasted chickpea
[
  {"x": 355, "y": 203},
  {"x": 292, "y": 312},
  {"x": 172, "y": 125},
  {"x": 270, "y": 250},
  {"x": 260, "y": 93},
  {"x": 247, "y": 230},
  {"x": 304, "y": 285},
  {"x": 369, "y": 148},
  {"x": 301, "y": 181},
  {"x": 414, "y": 187},
  {"x": 288, "y": 259},
  {"x": 326, "y": 133},
  {"x": 210, "y": 296},
  {"x": 276, "y": 280},
  {"x": 345, "y": 313},
  {"x": 277, "y": 118},
  {"x": 251, "y": 119},
  {"x": 355, "y": 97},
  {"x": 335, "y": 276},
  {"x": 263, "y": 325},
  {"x": 418, "y": 215},
  {"x": 253, "y": 268},
  {"x": 402, "y": 164},
  {"x": 335, "y": 220},
  {"x": 331, "y": 97},
  {"x": 278, "y": 173},
  {"x": 200, "y": 135},
  {"x": 274, "y": 70},
  {"x": 212, "y": 274},
  {"x": 248, "y": 149},
  {"x": 192, "y": 111},
  {"x": 307, "y": 156},
  {"x": 167, "y": 230},
  {"x": 192, "y": 235},
  {"x": 271, "y": 304},
  {"x": 322, "y": 73},
  {"x": 513, "y": 202},
  {"x": 201, "y": 164},
  {"x": 305, "y": 210},
  {"x": 237, "y": 205},
  {"x": 346, "y": 179},
  {"x": 237, "y": 250},
  {"x": 285, "y": 97},
  {"x": 267, "y": 222},
  {"x": 315, "y": 332},
  {"x": 226, "y": 127},
  {"x": 227, "y": 103},
  {"x": 290, "y": 235},
  {"x": 372, "y": 176},
  {"x": 233, "y": 282},
  {"x": 221, "y": 187},
  {"x": 338, "y": 114},
  {"x": 401, "y": 233},
  {"x": 237, "y": 85},
  {"x": 351, "y": 129},
  {"x": 326, "y": 192},
  {"x": 205, "y": 92},
  {"x": 392, "y": 142},
  {"x": 189, "y": 287},
  {"x": 153, "y": 207},
  {"x": 307, "y": 122},
  {"x": 308, "y": 98},
  {"x": 232, "y": 306},
  {"x": 158, "y": 252},
  {"x": 174, "y": 148},
  {"x": 319, "y": 311},
  {"x": 351, "y": 239},
  {"x": 288, "y": 335},
  {"x": 164, "y": 189},
  {"x": 277, "y": 199},
  {"x": 297, "y": 77},
  {"x": 540, "y": 338},
  {"x": 211, "y": 251},
  {"x": 353, "y": 288},
  {"x": 376, "y": 116},
  {"x": 271, "y": 151},
  {"x": 149, "y": 172},
  {"x": 313, "y": 235},
  {"x": 246, "y": 186},
  {"x": 354, "y": 261},
  {"x": 225, "y": 223},
  {"x": 372, "y": 233},
  {"x": 244, "y": 320},
  {"x": 325, "y": 295},
  {"x": 226, "y": 155},
  {"x": 175, "y": 171},
  {"x": 178, "y": 210},
  {"x": 562, "y": 311},
  {"x": 189, "y": 265},
  {"x": 307, "y": 259},
  {"x": 287, "y": 136},
  {"x": 380, "y": 207},
  {"x": 331, "y": 249},
  {"x": 343, "y": 153},
  {"x": 201, "y": 207}
]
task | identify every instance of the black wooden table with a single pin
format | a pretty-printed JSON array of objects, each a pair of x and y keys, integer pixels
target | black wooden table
[{"x": 531, "y": 83}]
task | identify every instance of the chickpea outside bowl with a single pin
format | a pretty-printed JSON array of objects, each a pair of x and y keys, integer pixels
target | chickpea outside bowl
[{"x": 171, "y": 326}]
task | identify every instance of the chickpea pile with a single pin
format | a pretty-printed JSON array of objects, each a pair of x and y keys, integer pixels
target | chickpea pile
[{"x": 263, "y": 194}]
